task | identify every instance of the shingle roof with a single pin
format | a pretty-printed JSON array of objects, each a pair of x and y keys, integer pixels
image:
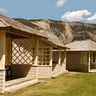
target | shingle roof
[
  {"x": 6, "y": 22},
  {"x": 84, "y": 45},
  {"x": 51, "y": 37}
]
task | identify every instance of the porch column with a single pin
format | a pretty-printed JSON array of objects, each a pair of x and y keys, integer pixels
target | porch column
[
  {"x": 89, "y": 63},
  {"x": 65, "y": 55},
  {"x": 59, "y": 60},
  {"x": 36, "y": 54},
  {"x": 36, "y": 57},
  {"x": 51, "y": 56},
  {"x": 2, "y": 60}
]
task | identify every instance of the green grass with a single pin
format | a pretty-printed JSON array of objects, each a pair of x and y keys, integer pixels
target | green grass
[{"x": 70, "y": 84}]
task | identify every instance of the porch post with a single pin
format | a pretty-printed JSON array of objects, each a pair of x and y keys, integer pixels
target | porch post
[
  {"x": 65, "y": 56},
  {"x": 36, "y": 57},
  {"x": 89, "y": 62},
  {"x": 36, "y": 54},
  {"x": 51, "y": 58},
  {"x": 2, "y": 60},
  {"x": 59, "y": 60}
]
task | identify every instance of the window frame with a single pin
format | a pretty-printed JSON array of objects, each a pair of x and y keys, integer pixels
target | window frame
[
  {"x": 44, "y": 56},
  {"x": 84, "y": 58}
]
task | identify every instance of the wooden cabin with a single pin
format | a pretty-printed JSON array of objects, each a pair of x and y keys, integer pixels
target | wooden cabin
[
  {"x": 48, "y": 67},
  {"x": 81, "y": 56},
  {"x": 26, "y": 54},
  {"x": 51, "y": 58}
]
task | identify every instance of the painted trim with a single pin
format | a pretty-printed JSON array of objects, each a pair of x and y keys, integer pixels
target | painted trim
[{"x": 89, "y": 62}]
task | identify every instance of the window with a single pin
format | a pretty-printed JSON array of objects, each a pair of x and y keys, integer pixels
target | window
[
  {"x": 84, "y": 58},
  {"x": 93, "y": 57},
  {"x": 44, "y": 56}
]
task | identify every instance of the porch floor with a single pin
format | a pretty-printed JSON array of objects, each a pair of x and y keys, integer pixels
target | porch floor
[
  {"x": 16, "y": 84},
  {"x": 92, "y": 70}
]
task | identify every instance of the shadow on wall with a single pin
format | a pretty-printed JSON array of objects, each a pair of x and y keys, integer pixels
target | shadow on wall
[
  {"x": 20, "y": 70},
  {"x": 55, "y": 59}
]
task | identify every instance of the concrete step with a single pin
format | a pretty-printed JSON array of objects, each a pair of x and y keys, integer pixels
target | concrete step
[{"x": 14, "y": 85}]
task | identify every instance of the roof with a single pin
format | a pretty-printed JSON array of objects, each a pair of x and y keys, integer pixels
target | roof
[
  {"x": 6, "y": 22},
  {"x": 83, "y": 45},
  {"x": 9, "y": 23},
  {"x": 53, "y": 39}
]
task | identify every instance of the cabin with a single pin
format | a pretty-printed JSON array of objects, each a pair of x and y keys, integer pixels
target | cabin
[
  {"x": 48, "y": 68},
  {"x": 51, "y": 58},
  {"x": 26, "y": 55},
  {"x": 82, "y": 56}
]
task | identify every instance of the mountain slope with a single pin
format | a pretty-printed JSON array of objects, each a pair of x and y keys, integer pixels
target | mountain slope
[
  {"x": 70, "y": 31},
  {"x": 65, "y": 31}
]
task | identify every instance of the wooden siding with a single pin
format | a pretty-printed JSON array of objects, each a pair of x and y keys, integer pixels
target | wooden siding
[
  {"x": 73, "y": 62},
  {"x": 44, "y": 71}
]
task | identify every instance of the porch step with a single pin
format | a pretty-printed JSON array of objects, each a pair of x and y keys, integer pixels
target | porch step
[
  {"x": 16, "y": 81},
  {"x": 14, "y": 85}
]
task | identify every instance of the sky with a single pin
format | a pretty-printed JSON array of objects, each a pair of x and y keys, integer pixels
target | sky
[{"x": 65, "y": 10}]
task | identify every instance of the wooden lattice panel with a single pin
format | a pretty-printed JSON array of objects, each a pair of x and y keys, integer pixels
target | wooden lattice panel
[
  {"x": 44, "y": 56},
  {"x": 23, "y": 51}
]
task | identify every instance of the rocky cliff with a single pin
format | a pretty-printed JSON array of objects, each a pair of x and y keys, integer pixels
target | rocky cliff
[{"x": 65, "y": 31}]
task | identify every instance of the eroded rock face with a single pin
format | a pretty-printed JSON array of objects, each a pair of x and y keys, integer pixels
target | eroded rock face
[{"x": 66, "y": 31}]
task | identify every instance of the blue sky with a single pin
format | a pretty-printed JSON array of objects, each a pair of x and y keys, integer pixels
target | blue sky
[{"x": 66, "y": 10}]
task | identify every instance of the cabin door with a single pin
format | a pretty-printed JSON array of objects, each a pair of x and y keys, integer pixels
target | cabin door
[{"x": 93, "y": 60}]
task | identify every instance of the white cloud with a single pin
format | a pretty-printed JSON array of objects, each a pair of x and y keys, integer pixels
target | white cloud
[
  {"x": 2, "y": 10},
  {"x": 75, "y": 15},
  {"x": 60, "y": 3},
  {"x": 23, "y": 1},
  {"x": 93, "y": 18}
]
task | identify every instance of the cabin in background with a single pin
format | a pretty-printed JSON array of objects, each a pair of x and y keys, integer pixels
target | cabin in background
[
  {"x": 81, "y": 56},
  {"x": 56, "y": 52}
]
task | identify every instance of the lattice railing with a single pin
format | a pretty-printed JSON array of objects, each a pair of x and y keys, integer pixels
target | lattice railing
[{"x": 23, "y": 51}]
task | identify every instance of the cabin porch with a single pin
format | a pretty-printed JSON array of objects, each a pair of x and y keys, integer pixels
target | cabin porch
[{"x": 17, "y": 61}]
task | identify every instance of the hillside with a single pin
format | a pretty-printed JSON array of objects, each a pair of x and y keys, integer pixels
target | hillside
[{"x": 65, "y": 31}]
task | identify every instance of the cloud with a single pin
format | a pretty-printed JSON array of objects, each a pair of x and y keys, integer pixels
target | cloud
[
  {"x": 75, "y": 15},
  {"x": 23, "y": 1},
  {"x": 60, "y": 3},
  {"x": 93, "y": 18},
  {"x": 2, "y": 10}
]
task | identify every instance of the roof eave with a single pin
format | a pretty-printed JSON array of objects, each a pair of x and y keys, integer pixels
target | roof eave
[{"x": 20, "y": 32}]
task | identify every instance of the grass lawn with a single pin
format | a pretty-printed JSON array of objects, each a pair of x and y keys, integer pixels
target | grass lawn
[{"x": 69, "y": 84}]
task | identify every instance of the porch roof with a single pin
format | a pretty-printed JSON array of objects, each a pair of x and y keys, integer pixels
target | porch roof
[
  {"x": 19, "y": 28},
  {"x": 83, "y": 45},
  {"x": 10, "y": 24},
  {"x": 52, "y": 39},
  {"x": 55, "y": 41}
]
